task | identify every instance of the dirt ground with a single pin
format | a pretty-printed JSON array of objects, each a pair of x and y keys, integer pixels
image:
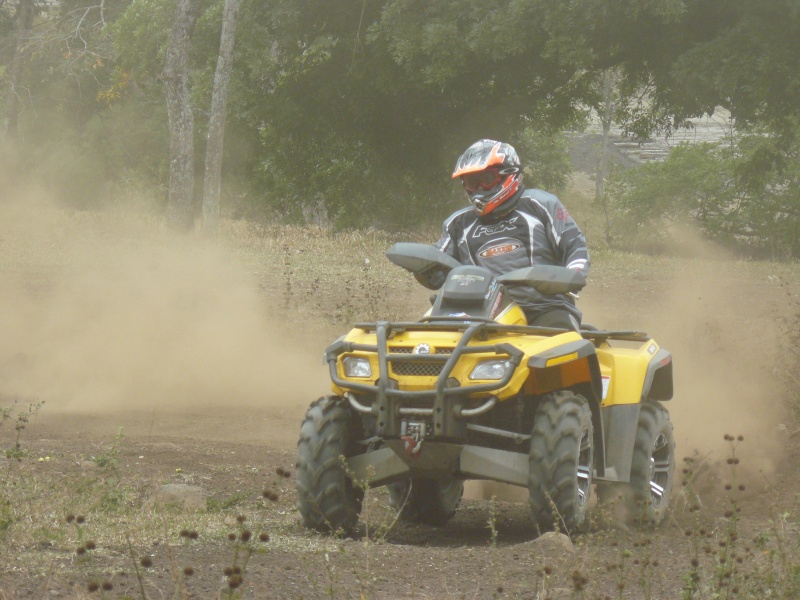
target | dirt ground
[{"x": 207, "y": 374}]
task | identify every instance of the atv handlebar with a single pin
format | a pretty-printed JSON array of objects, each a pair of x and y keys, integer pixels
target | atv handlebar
[
  {"x": 425, "y": 258},
  {"x": 419, "y": 258}
]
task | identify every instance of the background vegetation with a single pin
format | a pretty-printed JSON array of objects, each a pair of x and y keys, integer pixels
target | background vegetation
[{"x": 352, "y": 113}]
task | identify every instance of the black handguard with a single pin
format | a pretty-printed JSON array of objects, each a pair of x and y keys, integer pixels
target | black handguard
[
  {"x": 432, "y": 278},
  {"x": 426, "y": 262}
]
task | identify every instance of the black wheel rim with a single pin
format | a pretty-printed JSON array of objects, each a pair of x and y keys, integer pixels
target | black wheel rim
[
  {"x": 660, "y": 469},
  {"x": 584, "y": 470}
]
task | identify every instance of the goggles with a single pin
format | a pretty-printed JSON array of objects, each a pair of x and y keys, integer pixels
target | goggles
[{"x": 486, "y": 179}]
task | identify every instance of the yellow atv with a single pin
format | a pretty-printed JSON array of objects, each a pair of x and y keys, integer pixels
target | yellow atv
[{"x": 472, "y": 392}]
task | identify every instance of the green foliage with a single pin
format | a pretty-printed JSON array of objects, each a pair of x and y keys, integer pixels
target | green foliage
[
  {"x": 751, "y": 65},
  {"x": 129, "y": 134},
  {"x": 746, "y": 195},
  {"x": 365, "y": 112},
  {"x": 690, "y": 182},
  {"x": 768, "y": 172},
  {"x": 545, "y": 155},
  {"x": 108, "y": 461},
  {"x": 19, "y": 418},
  {"x": 140, "y": 37}
]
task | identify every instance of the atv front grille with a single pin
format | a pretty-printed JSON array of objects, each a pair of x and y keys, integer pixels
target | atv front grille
[
  {"x": 416, "y": 369},
  {"x": 410, "y": 350}
]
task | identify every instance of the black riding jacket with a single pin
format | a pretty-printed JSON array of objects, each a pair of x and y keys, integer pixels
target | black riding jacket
[{"x": 538, "y": 230}]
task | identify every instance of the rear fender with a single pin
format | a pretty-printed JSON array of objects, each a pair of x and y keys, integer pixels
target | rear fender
[
  {"x": 633, "y": 375},
  {"x": 621, "y": 420},
  {"x": 658, "y": 380}
]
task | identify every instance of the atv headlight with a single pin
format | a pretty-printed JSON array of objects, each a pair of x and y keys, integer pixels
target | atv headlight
[
  {"x": 491, "y": 369},
  {"x": 356, "y": 366}
]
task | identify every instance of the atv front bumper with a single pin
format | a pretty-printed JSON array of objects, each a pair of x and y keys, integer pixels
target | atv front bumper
[
  {"x": 445, "y": 403},
  {"x": 399, "y": 458}
]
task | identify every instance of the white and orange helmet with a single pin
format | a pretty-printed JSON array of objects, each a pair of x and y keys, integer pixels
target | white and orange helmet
[{"x": 491, "y": 173}]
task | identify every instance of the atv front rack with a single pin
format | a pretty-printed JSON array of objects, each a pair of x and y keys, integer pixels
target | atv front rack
[
  {"x": 491, "y": 326},
  {"x": 387, "y": 404},
  {"x": 448, "y": 419}
]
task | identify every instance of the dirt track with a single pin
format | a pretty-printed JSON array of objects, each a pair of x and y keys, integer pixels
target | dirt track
[
  {"x": 221, "y": 409},
  {"x": 232, "y": 453}
]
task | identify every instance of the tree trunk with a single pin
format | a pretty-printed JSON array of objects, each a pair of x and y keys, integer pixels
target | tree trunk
[
  {"x": 216, "y": 124},
  {"x": 606, "y": 120},
  {"x": 609, "y": 108},
  {"x": 11, "y": 110},
  {"x": 181, "y": 120}
]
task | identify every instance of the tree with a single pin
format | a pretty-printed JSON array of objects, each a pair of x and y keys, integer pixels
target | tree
[
  {"x": 360, "y": 107},
  {"x": 545, "y": 156},
  {"x": 609, "y": 85},
  {"x": 216, "y": 124},
  {"x": 751, "y": 65},
  {"x": 729, "y": 191},
  {"x": 24, "y": 18},
  {"x": 181, "y": 118},
  {"x": 696, "y": 182},
  {"x": 365, "y": 106}
]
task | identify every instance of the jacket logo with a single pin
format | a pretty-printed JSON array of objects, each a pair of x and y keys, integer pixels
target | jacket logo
[
  {"x": 497, "y": 228},
  {"x": 499, "y": 249}
]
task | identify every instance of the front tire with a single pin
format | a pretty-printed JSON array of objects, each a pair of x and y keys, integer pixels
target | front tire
[
  {"x": 561, "y": 463},
  {"x": 653, "y": 466},
  {"x": 327, "y": 498},
  {"x": 427, "y": 501}
]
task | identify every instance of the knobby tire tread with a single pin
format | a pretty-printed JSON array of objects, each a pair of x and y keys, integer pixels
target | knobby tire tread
[
  {"x": 326, "y": 496},
  {"x": 561, "y": 420},
  {"x": 653, "y": 420}
]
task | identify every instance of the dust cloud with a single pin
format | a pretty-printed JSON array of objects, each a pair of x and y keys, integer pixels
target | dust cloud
[
  {"x": 108, "y": 312},
  {"x": 717, "y": 317},
  {"x": 102, "y": 312}
]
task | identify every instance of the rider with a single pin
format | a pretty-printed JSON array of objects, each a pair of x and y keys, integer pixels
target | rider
[{"x": 509, "y": 227}]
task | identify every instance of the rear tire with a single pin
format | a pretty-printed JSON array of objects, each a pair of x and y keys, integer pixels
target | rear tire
[
  {"x": 653, "y": 466},
  {"x": 326, "y": 496},
  {"x": 561, "y": 463},
  {"x": 427, "y": 501}
]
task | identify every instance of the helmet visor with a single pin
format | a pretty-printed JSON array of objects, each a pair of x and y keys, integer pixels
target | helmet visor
[{"x": 486, "y": 179}]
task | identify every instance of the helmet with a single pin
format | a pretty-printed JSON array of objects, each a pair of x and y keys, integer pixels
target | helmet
[{"x": 491, "y": 174}]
